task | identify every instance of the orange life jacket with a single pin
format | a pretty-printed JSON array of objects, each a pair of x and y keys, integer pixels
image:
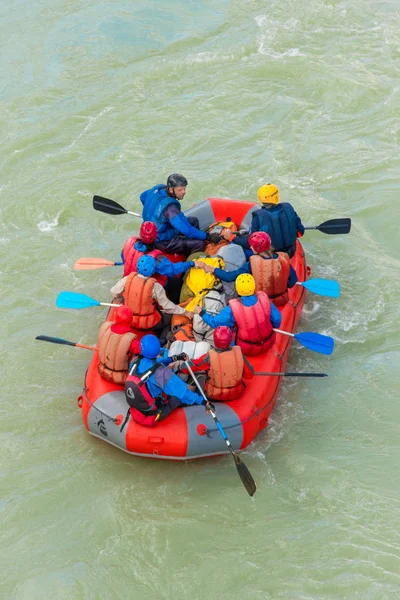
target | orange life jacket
[
  {"x": 138, "y": 296},
  {"x": 254, "y": 327},
  {"x": 182, "y": 328},
  {"x": 212, "y": 249},
  {"x": 224, "y": 381},
  {"x": 114, "y": 353},
  {"x": 131, "y": 257},
  {"x": 271, "y": 276}
]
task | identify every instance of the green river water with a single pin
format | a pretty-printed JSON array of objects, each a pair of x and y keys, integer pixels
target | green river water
[{"x": 108, "y": 98}]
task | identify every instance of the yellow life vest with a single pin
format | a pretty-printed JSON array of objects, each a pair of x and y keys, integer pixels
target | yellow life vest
[{"x": 199, "y": 282}]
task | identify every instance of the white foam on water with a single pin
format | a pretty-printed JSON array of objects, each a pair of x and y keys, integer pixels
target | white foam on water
[
  {"x": 264, "y": 39},
  {"x": 46, "y": 226},
  {"x": 88, "y": 126},
  {"x": 208, "y": 57}
]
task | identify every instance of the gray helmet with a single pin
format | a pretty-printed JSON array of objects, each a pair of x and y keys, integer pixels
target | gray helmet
[{"x": 176, "y": 180}]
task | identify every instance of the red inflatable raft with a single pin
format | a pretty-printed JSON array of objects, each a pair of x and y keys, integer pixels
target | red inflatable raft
[{"x": 190, "y": 432}]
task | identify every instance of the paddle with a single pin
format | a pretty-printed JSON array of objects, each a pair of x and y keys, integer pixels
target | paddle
[
  {"x": 313, "y": 341},
  {"x": 110, "y": 207},
  {"x": 334, "y": 226},
  {"x": 324, "y": 287},
  {"x": 86, "y": 264},
  {"x": 54, "y": 340},
  {"x": 243, "y": 471},
  {"x": 248, "y": 363},
  {"x": 76, "y": 301}
]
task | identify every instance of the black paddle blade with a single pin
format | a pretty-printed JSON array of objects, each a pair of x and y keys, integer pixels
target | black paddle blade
[
  {"x": 245, "y": 476},
  {"x": 108, "y": 206},
  {"x": 54, "y": 340},
  {"x": 335, "y": 226}
]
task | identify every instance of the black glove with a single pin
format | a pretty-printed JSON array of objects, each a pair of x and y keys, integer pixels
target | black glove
[
  {"x": 213, "y": 238},
  {"x": 181, "y": 356},
  {"x": 208, "y": 405}
]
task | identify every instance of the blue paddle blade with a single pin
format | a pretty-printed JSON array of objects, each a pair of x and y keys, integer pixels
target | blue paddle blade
[
  {"x": 324, "y": 287},
  {"x": 75, "y": 300},
  {"x": 316, "y": 342}
]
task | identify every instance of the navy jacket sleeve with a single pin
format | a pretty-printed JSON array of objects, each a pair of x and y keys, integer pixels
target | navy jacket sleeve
[
  {"x": 292, "y": 277},
  {"x": 241, "y": 240},
  {"x": 299, "y": 224},
  {"x": 231, "y": 275}
]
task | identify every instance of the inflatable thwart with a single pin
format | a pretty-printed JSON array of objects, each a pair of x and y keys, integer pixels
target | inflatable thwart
[{"x": 190, "y": 432}]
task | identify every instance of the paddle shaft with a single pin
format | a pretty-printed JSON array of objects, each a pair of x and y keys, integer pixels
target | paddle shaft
[
  {"x": 210, "y": 410},
  {"x": 53, "y": 340}
]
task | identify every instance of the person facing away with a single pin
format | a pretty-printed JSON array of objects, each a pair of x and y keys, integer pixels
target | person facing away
[
  {"x": 137, "y": 246},
  {"x": 252, "y": 313},
  {"x": 272, "y": 271},
  {"x": 152, "y": 390},
  {"x": 166, "y": 272},
  {"x": 280, "y": 221},
  {"x": 146, "y": 297},
  {"x": 176, "y": 232},
  {"x": 117, "y": 344},
  {"x": 225, "y": 367}
]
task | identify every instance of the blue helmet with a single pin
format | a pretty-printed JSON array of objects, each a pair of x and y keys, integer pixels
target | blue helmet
[
  {"x": 150, "y": 346},
  {"x": 146, "y": 265}
]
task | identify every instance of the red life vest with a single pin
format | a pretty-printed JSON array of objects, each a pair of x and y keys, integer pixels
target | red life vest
[
  {"x": 131, "y": 257},
  {"x": 138, "y": 296},
  {"x": 144, "y": 409},
  {"x": 114, "y": 353},
  {"x": 254, "y": 328},
  {"x": 271, "y": 276},
  {"x": 224, "y": 381}
]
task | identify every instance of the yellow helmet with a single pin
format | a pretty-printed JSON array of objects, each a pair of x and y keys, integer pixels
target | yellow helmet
[
  {"x": 245, "y": 284},
  {"x": 268, "y": 193}
]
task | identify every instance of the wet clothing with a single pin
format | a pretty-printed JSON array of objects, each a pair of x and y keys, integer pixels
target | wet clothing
[
  {"x": 117, "y": 344},
  {"x": 165, "y": 381},
  {"x": 231, "y": 275},
  {"x": 176, "y": 233},
  {"x": 225, "y": 317},
  {"x": 158, "y": 295},
  {"x": 164, "y": 266},
  {"x": 226, "y": 368},
  {"x": 282, "y": 224}
]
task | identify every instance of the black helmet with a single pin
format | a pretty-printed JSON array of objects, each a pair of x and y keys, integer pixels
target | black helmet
[{"x": 176, "y": 180}]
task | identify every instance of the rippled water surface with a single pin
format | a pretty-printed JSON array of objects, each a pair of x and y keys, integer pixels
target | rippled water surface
[{"x": 108, "y": 98}]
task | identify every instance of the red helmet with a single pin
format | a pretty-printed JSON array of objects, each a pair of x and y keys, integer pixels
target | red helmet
[
  {"x": 260, "y": 241},
  {"x": 123, "y": 315},
  {"x": 223, "y": 337},
  {"x": 148, "y": 232}
]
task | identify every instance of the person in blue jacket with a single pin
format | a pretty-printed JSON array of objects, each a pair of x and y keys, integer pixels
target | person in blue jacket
[
  {"x": 225, "y": 317},
  {"x": 176, "y": 232},
  {"x": 164, "y": 391},
  {"x": 280, "y": 221},
  {"x": 258, "y": 248}
]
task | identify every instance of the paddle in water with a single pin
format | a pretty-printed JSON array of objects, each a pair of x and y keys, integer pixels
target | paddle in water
[
  {"x": 323, "y": 344},
  {"x": 111, "y": 207},
  {"x": 77, "y": 301},
  {"x": 334, "y": 226},
  {"x": 243, "y": 471},
  {"x": 54, "y": 340},
  {"x": 323, "y": 287},
  {"x": 89, "y": 264}
]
